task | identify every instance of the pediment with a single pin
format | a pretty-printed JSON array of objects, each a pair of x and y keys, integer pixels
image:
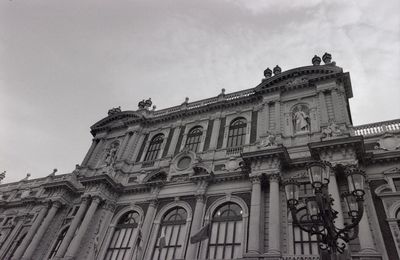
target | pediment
[
  {"x": 298, "y": 76},
  {"x": 116, "y": 120}
]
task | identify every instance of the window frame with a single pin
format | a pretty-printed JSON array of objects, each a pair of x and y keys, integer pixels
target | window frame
[
  {"x": 194, "y": 138},
  {"x": 56, "y": 244},
  {"x": 237, "y": 132},
  {"x": 110, "y": 231},
  {"x": 156, "y": 228},
  {"x": 154, "y": 148},
  {"x": 245, "y": 222},
  {"x": 217, "y": 220}
]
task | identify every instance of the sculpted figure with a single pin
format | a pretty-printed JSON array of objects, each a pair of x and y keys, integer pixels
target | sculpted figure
[
  {"x": 268, "y": 141},
  {"x": 332, "y": 130},
  {"x": 301, "y": 120},
  {"x": 111, "y": 154}
]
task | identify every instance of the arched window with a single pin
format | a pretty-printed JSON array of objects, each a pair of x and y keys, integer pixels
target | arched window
[
  {"x": 58, "y": 242},
  {"x": 154, "y": 148},
  {"x": 194, "y": 138},
  {"x": 398, "y": 217},
  {"x": 237, "y": 133},
  {"x": 171, "y": 236},
  {"x": 226, "y": 232},
  {"x": 122, "y": 238}
]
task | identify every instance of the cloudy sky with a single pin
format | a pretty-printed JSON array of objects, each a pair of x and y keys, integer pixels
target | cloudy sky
[{"x": 64, "y": 63}]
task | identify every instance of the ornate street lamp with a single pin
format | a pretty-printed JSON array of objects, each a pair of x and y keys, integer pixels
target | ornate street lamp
[{"x": 316, "y": 215}]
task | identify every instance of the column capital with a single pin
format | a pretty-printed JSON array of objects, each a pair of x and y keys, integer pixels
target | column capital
[
  {"x": 153, "y": 202},
  {"x": 96, "y": 199},
  {"x": 56, "y": 204},
  {"x": 109, "y": 205},
  {"x": 274, "y": 177},
  {"x": 255, "y": 179},
  {"x": 200, "y": 197}
]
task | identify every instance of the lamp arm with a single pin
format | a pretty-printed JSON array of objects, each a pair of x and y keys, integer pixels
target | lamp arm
[
  {"x": 296, "y": 221},
  {"x": 354, "y": 223}
]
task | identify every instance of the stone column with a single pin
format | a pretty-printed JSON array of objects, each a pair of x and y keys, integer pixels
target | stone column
[
  {"x": 334, "y": 191},
  {"x": 72, "y": 228},
  {"x": 174, "y": 140},
  {"x": 214, "y": 134},
  {"x": 40, "y": 232},
  {"x": 274, "y": 225},
  {"x": 367, "y": 244},
  {"x": 255, "y": 216},
  {"x": 123, "y": 145},
  {"x": 32, "y": 231},
  {"x": 278, "y": 116},
  {"x": 196, "y": 226},
  {"x": 76, "y": 242},
  {"x": 90, "y": 152},
  {"x": 130, "y": 146},
  {"x": 322, "y": 107},
  {"x": 148, "y": 220}
]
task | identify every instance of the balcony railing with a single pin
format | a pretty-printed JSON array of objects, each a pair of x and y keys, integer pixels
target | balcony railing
[
  {"x": 377, "y": 128},
  {"x": 234, "y": 150}
]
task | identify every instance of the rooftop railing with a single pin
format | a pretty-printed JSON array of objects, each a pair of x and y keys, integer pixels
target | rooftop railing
[
  {"x": 377, "y": 128},
  {"x": 205, "y": 102}
]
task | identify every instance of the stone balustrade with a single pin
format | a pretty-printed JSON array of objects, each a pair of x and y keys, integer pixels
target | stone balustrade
[
  {"x": 205, "y": 102},
  {"x": 377, "y": 128}
]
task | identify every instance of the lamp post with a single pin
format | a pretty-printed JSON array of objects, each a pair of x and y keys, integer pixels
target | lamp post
[{"x": 316, "y": 215}]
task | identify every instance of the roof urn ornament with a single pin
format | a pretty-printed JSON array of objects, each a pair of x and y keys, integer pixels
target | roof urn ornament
[
  {"x": 316, "y": 60},
  {"x": 277, "y": 70},
  {"x": 114, "y": 110},
  {"x": 268, "y": 73},
  {"x": 327, "y": 58}
]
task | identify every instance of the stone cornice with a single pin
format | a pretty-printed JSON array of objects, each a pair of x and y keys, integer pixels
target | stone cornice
[
  {"x": 356, "y": 142},
  {"x": 278, "y": 152},
  {"x": 389, "y": 156},
  {"x": 101, "y": 179}
]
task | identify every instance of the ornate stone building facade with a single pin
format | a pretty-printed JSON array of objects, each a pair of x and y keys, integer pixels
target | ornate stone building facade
[{"x": 152, "y": 179}]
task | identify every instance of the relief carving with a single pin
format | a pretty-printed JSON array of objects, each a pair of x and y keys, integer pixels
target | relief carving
[
  {"x": 388, "y": 142},
  {"x": 333, "y": 130}
]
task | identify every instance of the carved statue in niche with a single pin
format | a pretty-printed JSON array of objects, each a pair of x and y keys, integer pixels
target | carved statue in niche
[
  {"x": 332, "y": 130},
  {"x": 301, "y": 119},
  {"x": 111, "y": 154}
]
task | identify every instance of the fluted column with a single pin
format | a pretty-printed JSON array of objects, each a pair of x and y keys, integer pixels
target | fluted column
[
  {"x": 40, "y": 232},
  {"x": 255, "y": 216},
  {"x": 72, "y": 228},
  {"x": 32, "y": 231},
  {"x": 274, "y": 224},
  {"x": 334, "y": 191},
  {"x": 76, "y": 242},
  {"x": 196, "y": 226},
  {"x": 124, "y": 144}
]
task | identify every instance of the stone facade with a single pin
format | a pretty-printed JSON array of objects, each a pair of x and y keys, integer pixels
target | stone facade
[{"x": 211, "y": 168}]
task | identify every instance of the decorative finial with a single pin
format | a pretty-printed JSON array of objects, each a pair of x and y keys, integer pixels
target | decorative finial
[
  {"x": 148, "y": 103},
  {"x": 277, "y": 70},
  {"x": 154, "y": 107},
  {"x": 222, "y": 91},
  {"x": 186, "y": 99},
  {"x": 268, "y": 73},
  {"x": 53, "y": 173},
  {"x": 27, "y": 177},
  {"x": 2, "y": 175},
  {"x": 114, "y": 110},
  {"x": 316, "y": 60},
  {"x": 327, "y": 58}
]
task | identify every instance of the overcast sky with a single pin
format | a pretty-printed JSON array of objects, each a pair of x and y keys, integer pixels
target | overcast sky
[{"x": 64, "y": 63}]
